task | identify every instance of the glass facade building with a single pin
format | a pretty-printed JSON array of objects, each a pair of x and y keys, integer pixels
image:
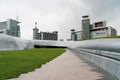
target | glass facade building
[{"x": 10, "y": 27}]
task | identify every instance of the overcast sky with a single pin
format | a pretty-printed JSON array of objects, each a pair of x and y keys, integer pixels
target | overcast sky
[{"x": 59, "y": 15}]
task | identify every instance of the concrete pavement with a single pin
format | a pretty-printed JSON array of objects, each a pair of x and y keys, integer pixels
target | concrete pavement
[{"x": 66, "y": 67}]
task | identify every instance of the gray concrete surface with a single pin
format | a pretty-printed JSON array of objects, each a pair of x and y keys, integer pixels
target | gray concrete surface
[{"x": 66, "y": 67}]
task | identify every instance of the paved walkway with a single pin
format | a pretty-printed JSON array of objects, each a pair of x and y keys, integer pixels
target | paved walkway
[{"x": 65, "y": 67}]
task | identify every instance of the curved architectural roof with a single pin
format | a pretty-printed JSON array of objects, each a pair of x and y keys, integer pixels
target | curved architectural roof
[{"x": 13, "y": 43}]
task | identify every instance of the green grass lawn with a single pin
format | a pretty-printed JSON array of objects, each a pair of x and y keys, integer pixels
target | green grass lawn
[
  {"x": 109, "y": 37},
  {"x": 13, "y": 63},
  {"x": 103, "y": 37}
]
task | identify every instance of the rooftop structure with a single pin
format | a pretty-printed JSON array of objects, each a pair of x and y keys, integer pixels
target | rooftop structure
[{"x": 86, "y": 16}]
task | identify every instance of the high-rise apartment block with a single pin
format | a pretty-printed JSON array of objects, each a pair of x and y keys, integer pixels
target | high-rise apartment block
[
  {"x": 10, "y": 27},
  {"x": 44, "y": 35}
]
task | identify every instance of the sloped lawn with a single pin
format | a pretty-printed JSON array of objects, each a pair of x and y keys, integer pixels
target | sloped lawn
[{"x": 13, "y": 63}]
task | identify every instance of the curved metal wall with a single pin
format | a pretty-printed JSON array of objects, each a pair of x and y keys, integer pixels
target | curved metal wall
[
  {"x": 112, "y": 44},
  {"x": 13, "y": 43},
  {"x": 108, "y": 61}
]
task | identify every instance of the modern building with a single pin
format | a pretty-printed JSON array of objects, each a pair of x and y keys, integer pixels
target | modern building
[
  {"x": 73, "y": 35},
  {"x": 95, "y": 30},
  {"x": 79, "y": 35},
  {"x": 85, "y": 27},
  {"x": 10, "y": 27},
  {"x": 76, "y": 35},
  {"x": 99, "y": 29},
  {"x": 44, "y": 35}
]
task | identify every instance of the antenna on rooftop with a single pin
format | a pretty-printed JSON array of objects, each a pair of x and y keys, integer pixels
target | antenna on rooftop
[
  {"x": 17, "y": 18},
  {"x": 35, "y": 24}
]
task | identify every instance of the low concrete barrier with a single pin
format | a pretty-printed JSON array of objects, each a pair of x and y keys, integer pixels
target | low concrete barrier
[{"x": 108, "y": 61}]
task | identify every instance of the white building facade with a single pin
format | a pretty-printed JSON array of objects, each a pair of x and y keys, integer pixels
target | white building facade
[{"x": 99, "y": 29}]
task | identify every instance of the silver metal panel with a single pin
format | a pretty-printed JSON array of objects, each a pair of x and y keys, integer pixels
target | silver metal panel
[
  {"x": 118, "y": 72},
  {"x": 111, "y": 67},
  {"x": 112, "y": 44},
  {"x": 13, "y": 43},
  {"x": 103, "y": 63}
]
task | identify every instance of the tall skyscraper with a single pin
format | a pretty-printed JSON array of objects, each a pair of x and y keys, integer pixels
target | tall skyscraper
[
  {"x": 85, "y": 27},
  {"x": 10, "y": 27}
]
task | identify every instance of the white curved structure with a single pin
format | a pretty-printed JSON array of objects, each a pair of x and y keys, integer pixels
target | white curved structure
[
  {"x": 112, "y": 44},
  {"x": 13, "y": 43},
  {"x": 71, "y": 44}
]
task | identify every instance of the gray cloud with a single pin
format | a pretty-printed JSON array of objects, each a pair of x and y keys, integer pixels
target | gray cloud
[
  {"x": 102, "y": 6},
  {"x": 105, "y": 10},
  {"x": 61, "y": 15}
]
